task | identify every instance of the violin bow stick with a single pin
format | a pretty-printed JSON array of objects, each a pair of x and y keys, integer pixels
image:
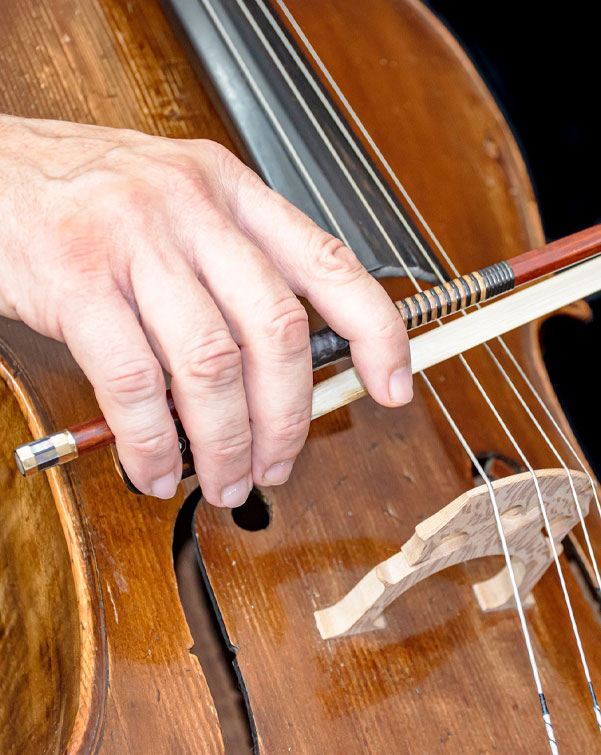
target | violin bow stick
[{"x": 427, "y": 349}]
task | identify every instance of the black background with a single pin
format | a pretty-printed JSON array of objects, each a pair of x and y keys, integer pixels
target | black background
[{"x": 543, "y": 64}]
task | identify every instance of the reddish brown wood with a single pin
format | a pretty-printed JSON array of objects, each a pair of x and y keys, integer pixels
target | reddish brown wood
[
  {"x": 556, "y": 255},
  {"x": 94, "y": 434},
  {"x": 40, "y": 644},
  {"x": 117, "y": 675},
  {"x": 442, "y": 676}
]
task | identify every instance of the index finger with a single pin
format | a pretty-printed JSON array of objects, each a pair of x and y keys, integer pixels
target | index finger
[{"x": 325, "y": 271}]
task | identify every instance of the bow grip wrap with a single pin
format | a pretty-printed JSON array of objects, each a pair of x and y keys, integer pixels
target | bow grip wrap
[
  {"x": 327, "y": 347},
  {"x": 184, "y": 449}
]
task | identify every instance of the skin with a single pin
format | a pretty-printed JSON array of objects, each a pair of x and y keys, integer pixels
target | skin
[{"x": 149, "y": 256}]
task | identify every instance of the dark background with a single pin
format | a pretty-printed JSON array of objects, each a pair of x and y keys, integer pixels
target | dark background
[{"x": 542, "y": 64}]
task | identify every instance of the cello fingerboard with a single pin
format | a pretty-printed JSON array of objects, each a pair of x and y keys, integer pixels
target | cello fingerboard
[{"x": 291, "y": 129}]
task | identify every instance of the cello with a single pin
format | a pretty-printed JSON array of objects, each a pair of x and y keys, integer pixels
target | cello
[{"x": 96, "y": 651}]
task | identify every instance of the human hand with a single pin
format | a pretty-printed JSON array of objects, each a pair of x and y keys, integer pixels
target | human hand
[{"x": 146, "y": 254}]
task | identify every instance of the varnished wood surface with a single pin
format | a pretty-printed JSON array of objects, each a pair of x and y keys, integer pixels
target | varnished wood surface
[
  {"x": 572, "y": 249},
  {"x": 462, "y": 531},
  {"x": 39, "y": 617},
  {"x": 442, "y": 676},
  {"x": 141, "y": 690}
]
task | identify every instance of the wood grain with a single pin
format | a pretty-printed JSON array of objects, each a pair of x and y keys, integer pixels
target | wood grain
[
  {"x": 466, "y": 529},
  {"x": 572, "y": 249},
  {"x": 40, "y": 649},
  {"x": 442, "y": 676},
  {"x": 136, "y": 687}
]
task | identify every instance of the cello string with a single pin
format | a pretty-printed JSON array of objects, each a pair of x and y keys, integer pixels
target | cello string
[
  {"x": 316, "y": 125},
  {"x": 554, "y": 422},
  {"x": 543, "y": 510},
  {"x": 352, "y": 142},
  {"x": 350, "y": 139},
  {"x": 272, "y": 116},
  {"x": 392, "y": 174},
  {"x": 348, "y": 136},
  {"x": 293, "y": 153},
  {"x": 510, "y": 571},
  {"x": 369, "y": 139},
  {"x": 557, "y": 456},
  {"x": 512, "y": 385}
]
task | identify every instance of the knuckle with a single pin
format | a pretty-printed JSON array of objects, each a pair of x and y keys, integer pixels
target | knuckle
[
  {"x": 293, "y": 428},
  {"x": 154, "y": 445},
  {"x": 187, "y": 182},
  {"x": 228, "y": 448},
  {"x": 230, "y": 167},
  {"x": 130, "y": 200},
  {"x": 191, "y": 186},
  {"x": 238, "y": 180},
  {"x": 214, "y": 359},
  {"x": 248, "y": 181},
  {"x": 216, "y": 150},
  {"x": 134, "y": 382},
  {"x": 333, "y": 259},
  {"x": 287, "y": 326},
  {"x": 388, "y": 328}
]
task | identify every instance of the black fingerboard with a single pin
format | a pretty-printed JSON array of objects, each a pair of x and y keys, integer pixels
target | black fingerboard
[{"x": 263, "y": 146}]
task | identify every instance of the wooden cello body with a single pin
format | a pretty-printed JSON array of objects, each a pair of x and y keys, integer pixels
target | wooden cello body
[{"x": 95, "y": 649}]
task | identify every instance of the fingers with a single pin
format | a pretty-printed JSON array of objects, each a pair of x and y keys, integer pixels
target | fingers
[
  {"x": 106, "y": 340},
  {"x": 186, "y": 328},
  {"x": 322, "y": 269},
  {"x": 236, "y": 344},
  {"x": 271, "y": 328}
]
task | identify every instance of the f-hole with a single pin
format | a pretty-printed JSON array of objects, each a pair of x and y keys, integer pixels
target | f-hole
[
  {"x": 495, "y": 466},
  {"x": 210, "y": 647},
  {"x": 255, "y": 512}
]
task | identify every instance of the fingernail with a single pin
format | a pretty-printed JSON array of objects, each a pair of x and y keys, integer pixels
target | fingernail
[
  {"x": 278, "y": 473},
  {"x": 401, "y": 386},
  {"x": 235, "y": 495},
  {"x": 164, "y": 487}
]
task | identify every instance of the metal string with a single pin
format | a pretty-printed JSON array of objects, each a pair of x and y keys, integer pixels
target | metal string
[
  {"x": 510, "y": 571},
  {"x": 351, "y": 181},
  {"x": 543, "y": 510},
  {"x": 308, "y": 75},
  {"x": 350, "y": 139},
  {"x": 296, "y": 158},
  {"x": 511, "y": 384},
  {"x": 555, "y": 424},
  {"x": 556, "y": 454},
  {"x": 269, "y": 49},
  {"x": 348, "y": 136},
  {"x": 315, "y": 123},
  {"x": 272, "y": 117}
]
